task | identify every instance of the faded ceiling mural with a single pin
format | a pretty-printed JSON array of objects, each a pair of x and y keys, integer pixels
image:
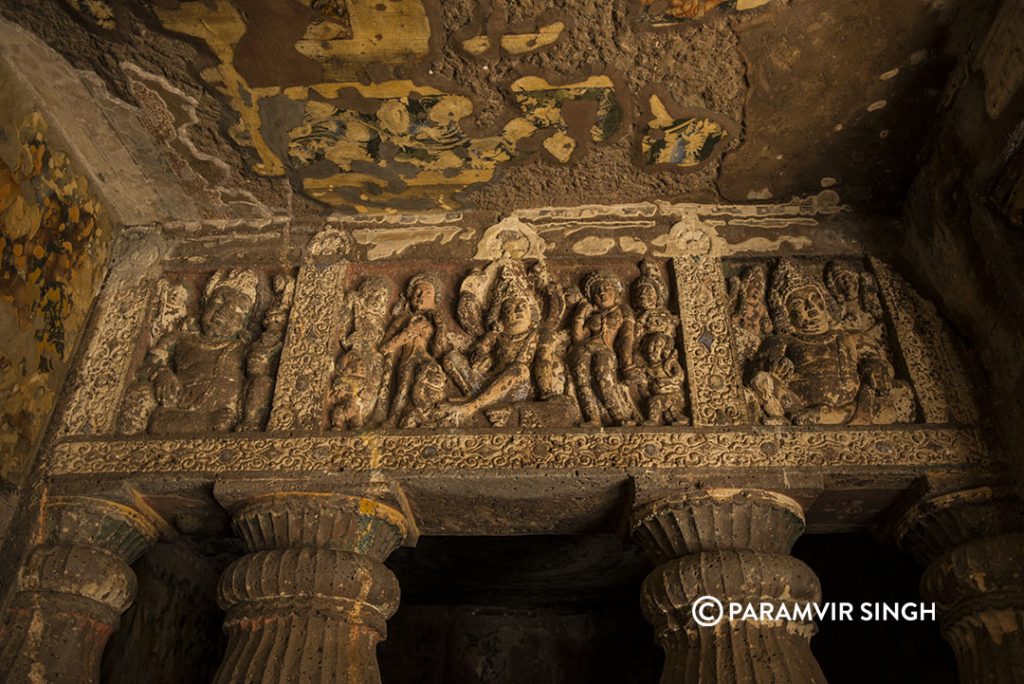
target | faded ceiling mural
[{"x": 313, "y": 106}]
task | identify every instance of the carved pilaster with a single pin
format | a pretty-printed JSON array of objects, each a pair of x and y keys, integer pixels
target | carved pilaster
[
  {"x": 732, "y": 545},
  {"x": 99, "y": 382},
  {"x": 972, "y": 542},
  {"x": 716, "y": 393},
  {"x": 311, "y": 599},
  {"x": 72, "y": 590},
  {"x": 307, "y": 358}
]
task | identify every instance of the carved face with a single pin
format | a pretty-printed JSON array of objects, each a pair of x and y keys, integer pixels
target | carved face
[
  {"x": 605, "y": 294},
  {"x": 515, "y": 315},
  {"x": 847, "y": 284},
  {"x": 807, "y": 311},
  {"x": 422, "y": 296},
  {"x": 646, "y": 297},
  {"x": 225, "y": 313},
  {"x": 656, "y": 347}
]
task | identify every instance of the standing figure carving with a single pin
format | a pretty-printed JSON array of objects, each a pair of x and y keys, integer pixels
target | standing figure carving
[
  {"x": 657, "y": 374},
  {"x": 359, "y": 390},
  {"x": 265, "y": 355},
  {"x": 412, "y": 341},
  {"x": 603, "y": 334},
  {"x": 749, "y": 315},
  {"x": 812, "y": 371},
  {"x": 197, "y": 378}
]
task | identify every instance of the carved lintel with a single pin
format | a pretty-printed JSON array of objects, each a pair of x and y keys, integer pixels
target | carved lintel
[
  {"x": 313, "y": 587},
  {"x": 928, "y": 350},
  {"x": 307, "y": 358},
  {"x": 732, "y": 545},
  {"x": 972, "y": 541},
  {"x": 654, "y": 449},
  {"x": 72, "y": 590},
  {"x": 711, "y": 363}
]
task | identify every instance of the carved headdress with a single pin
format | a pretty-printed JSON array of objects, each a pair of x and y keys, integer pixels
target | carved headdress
[
  {"x": 244, "y": 281},
  {"x": 787, "y": 281},
  {"x": 512, "y": 283}
]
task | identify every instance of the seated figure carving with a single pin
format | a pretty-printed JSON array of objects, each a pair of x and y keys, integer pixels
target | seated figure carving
[
  {"x": 198, "y": 377},
  {"x": 809, "y": 371},
  {"x": 497, "y": 369}
]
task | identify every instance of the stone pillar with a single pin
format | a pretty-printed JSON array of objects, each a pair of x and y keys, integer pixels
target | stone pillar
[
  {"x": 972, "y": 542},
  {"x": 311, "y": 599},
  {"x": 72, "y": 590},
  {"x": 732, "y": 545}
]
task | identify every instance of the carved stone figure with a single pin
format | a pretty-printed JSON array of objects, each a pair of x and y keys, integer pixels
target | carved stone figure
[
  {"x": 650, "y": 297},
  {"x": 663, "y": 381},
  {"x": 749, "y": 314},
  {"x": 360, "y": 387},
  {"x": 603, "y": 330},
  {"x": 198, "y": 377},
  {"x": 427, "y": 394},
  {"x": 262, "y": 362},
  {"x": 498, "y": 367},
  {"x": 860, "y": 309},
  {"x": 414, "y": 337},
  {"x": 809, "y": 371},
  {"x": 549, "y": 364}
]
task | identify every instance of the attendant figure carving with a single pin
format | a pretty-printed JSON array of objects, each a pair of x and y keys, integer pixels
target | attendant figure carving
[
  {"x": 265, "y": 354},
  {"x": 603, "y": 330},
  {"x": 413, "y": 338},
  {"x": 750, "y": 319},
  {"x": 359, "y": 391},
  {"x": 663, "y": 381}
]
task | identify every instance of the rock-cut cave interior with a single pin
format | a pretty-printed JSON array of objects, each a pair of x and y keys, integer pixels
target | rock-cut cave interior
[{"x": 504, "y": 341}]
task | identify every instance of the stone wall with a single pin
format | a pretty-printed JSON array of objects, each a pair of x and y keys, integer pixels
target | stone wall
[
  {"x": 965, "y": 231},
  {"x": 55, "y": 241}
]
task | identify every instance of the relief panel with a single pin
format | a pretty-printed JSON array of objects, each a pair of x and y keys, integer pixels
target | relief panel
[
  {"x": 210, "y": 354},
  {"x": 509, "y": 344},
  {"x": 814, "y": 346}
]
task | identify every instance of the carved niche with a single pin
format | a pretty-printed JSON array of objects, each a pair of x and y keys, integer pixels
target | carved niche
[
  {"x": 211, "y": 353},
  {"x": 513, "y": 343},
  {"x": 814, "y": 344}
]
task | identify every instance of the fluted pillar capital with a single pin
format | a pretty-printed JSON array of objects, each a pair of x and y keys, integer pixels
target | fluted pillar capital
[
  {"x": 732, "y": 545},
  {"x": 972, "y": 542},
  {"x": 72, "y": 589},
  {"x": 313, "y": 588}
]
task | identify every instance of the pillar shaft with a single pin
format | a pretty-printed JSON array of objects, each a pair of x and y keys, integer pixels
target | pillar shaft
[
  {"x": 72, "y": 590},
  {"x": 972, "y": 544},
  {"x": 732, "y": 545},
  {"x": 311, "y": 599}
]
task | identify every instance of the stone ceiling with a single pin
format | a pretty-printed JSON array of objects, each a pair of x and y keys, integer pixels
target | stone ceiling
[{"x": 370, "y": 105}]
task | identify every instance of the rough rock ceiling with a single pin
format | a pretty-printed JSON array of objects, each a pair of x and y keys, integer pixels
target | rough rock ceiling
[{"x": 365, "y": 105}]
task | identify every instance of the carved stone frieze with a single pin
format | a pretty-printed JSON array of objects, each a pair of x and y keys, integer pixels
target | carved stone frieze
[
  {"x": 213, "y": 354},
  {"x": 472, "y": 450},
  {"x": 525, "y": 345}
]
